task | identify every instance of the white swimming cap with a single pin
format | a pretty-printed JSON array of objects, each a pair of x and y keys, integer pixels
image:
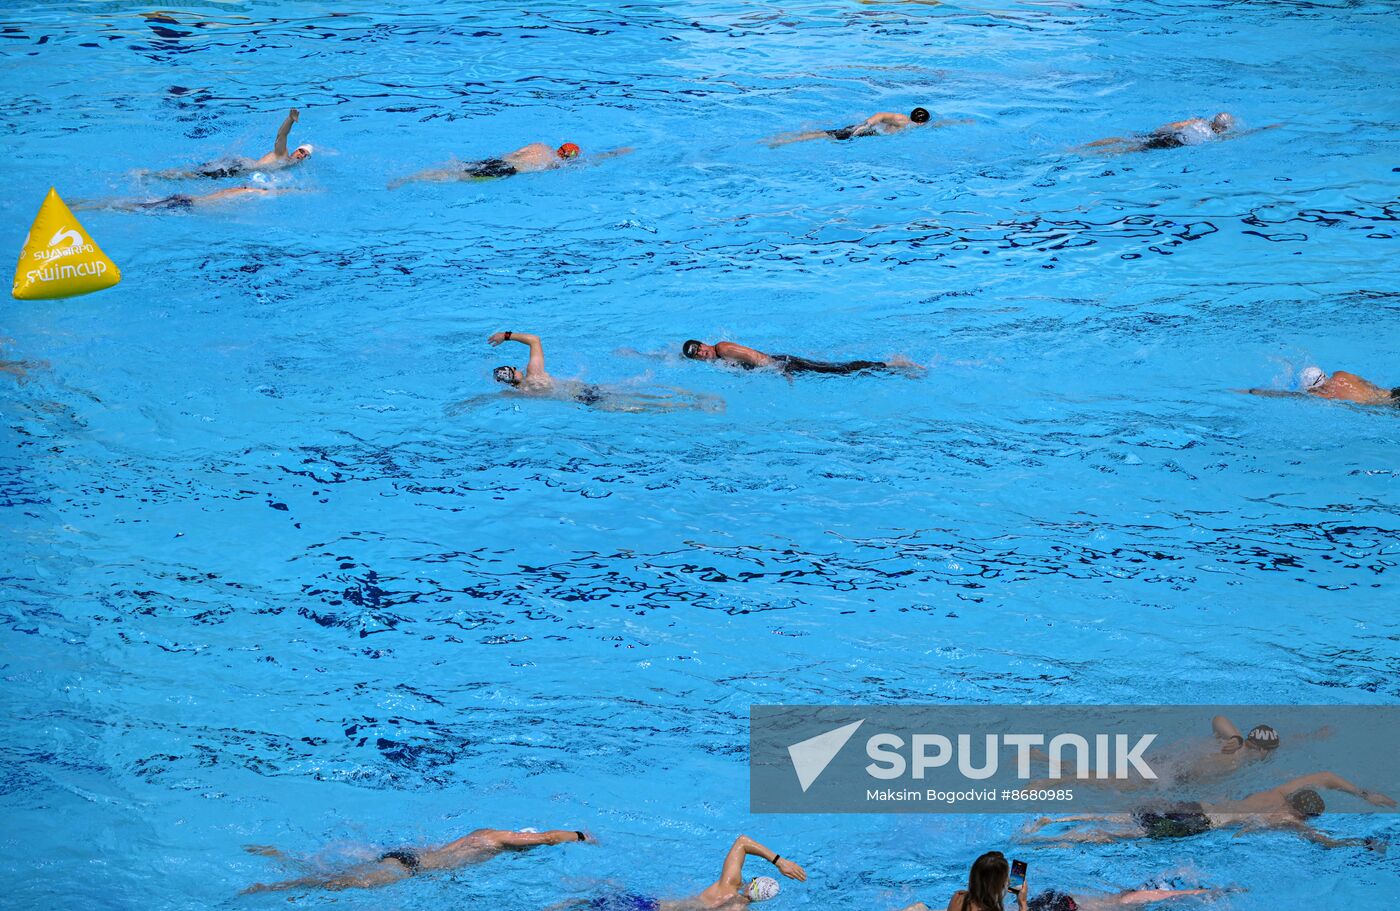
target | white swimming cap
[
  {"x": 1310, "y": 377},
  {"x": 762, "y": 888},
  {"x": 305, "y": 147}
]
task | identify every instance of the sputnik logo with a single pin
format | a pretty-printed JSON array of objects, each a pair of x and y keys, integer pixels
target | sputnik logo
[{"x": 811, "y": 757}]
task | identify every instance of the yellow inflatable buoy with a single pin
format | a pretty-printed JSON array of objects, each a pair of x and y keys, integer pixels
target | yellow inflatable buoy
[{"x": 59, "y": 258}]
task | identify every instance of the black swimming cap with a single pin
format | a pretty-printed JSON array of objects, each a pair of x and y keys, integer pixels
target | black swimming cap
[
  {"x": 505, "y": 375},
  {"x": 1307, "y": 802},
  {"x": 1053, "y": 901},
  {"x": 1263, "y": 737},
  {"x": 691, "y": 348},
  {"x": 919, "y": 115}
]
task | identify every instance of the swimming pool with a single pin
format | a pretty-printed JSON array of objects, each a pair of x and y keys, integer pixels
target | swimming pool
[{"x": 270, "y": 582}]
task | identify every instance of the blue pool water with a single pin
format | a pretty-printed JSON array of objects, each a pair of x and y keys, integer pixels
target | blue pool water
[{"x": 275, "y": 574}]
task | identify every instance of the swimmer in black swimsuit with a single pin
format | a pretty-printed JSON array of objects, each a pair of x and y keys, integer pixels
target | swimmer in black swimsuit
[
  {"x": 525, "y": 160},
  {"x": 181, "y": 202},
  {"x": 881, "y": 124},
  {"x": 1190, "y": 132},
  {"x": 275, "y": 160},
  {"x": 787, "y": 364},
  {"x": 535, "y": 381},
  {"x": 491, "y": 167},
  {"x": 392, "y": 866},
  {"x": 1288, "y": 807}
]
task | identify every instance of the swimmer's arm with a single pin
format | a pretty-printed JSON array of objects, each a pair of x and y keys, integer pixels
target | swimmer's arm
[
  {"x": 1225, "y": 730},
  {"x": 1147, "y": 896},
  {"x": 504, "y": 838},
  {"x": 1270, "y": 393},
  {"x": 437, "y": 175},
  {"x": 733, "y": 873},
  {"x": 535, "y": 368},
  {"x": 279, "y": 148},
  {"x": 1308, "y": 833},
  {"x": 1250, "y": 132},
  {"x": 612, "y": 153}
]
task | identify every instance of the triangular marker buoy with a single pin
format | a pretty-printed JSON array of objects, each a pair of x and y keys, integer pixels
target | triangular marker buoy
[{"x": 59, "y": 258}]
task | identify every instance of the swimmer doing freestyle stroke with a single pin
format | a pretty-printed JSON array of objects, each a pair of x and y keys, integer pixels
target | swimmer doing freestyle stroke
[
  {"x": 536, "y": 382},
  {"x": 786, "y": 364},
  {"x": 182, "y": 201},
  {"x": 1190, "y": 132},
  {"x": 883, "y": 123},
  {"x": 238, "y": 166},
  {"x": 730, "y": 891},
  {"x": 1288, "y": 808},
  {"x": 1339, "y": 387},
  {"x": 391, "y": 866},
  {"x": 1192, "y": 762},
  {"x": 528, "y": 159}
]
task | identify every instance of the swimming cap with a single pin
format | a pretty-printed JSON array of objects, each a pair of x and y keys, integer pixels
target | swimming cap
[
  {"x": 1263, "y": 737},
  {"x": 1307, "y": 802},
  {"x": 1310, "y": 377},
  {"x": 568, "y": 150},
  {"x": 1053, "y": 901},
  {"x": 762, "y": 888},
  {"x": 1222, "y": 122},
  {"x": 504, "y": 375},
  {"x": 305, "y": 147},
  {"x": 691, "y": 348},
  {"x": 919, "y": 115}
]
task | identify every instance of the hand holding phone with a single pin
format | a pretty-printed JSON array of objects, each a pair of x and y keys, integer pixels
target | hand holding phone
[{"x": 1018, "y": 876}]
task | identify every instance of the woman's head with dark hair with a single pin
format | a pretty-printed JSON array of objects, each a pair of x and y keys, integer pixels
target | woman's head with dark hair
[{"x": 987, "y": 882}]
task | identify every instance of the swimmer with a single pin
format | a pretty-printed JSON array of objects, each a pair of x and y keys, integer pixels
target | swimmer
[
  {"x": 237, "y": 166},
  {"x": 884, "y": 123},
  {"x": 1190, "y": 132},
  {"x": 730, "y": 891},
  {"x": 1191, "y": 763},
  {"x": 535, "y": 381},
  {"x": 180, "y": 202},
  {"x": 1340, "y": 387},
  {"x": 1287, "y": 807},
  {"x": 392, "y": 866},
  {"x": 990, "y": 879},
  {"x": 787, "y": 364},
  {"x": 525, "y": 160}
]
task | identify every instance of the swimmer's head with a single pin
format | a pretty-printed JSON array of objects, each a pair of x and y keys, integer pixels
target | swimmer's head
[
  {"x": 761, "y": 888},
  {"x": 697, "y": 350},
  {"x": 1311, "y": 377},
  {"x": 1306, "y": 803},
  {"x": 302, "y": 152},
  {"x": 919, "y": 115},
  {"x": 1223, "y": 122},
  {"x": 1262, "y": 738},
  {"x": 1053, "y": 901},
  {"x": 508, "y": 375},
  {"x": 567, "y": 150}
]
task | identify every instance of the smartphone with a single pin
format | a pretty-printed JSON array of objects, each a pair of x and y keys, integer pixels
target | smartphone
[{"x": 1018, "y": 876}]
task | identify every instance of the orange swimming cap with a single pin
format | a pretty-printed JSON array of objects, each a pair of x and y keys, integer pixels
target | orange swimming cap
[{"x": 568, "y": 150}]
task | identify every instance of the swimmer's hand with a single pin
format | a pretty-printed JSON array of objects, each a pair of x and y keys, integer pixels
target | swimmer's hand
[
  {"x": 791, "y": 870},
  {"x": 294, "y": 115},
  {"x": 496, "y": 339},
  {"x": 262, "y": 850},
  {"x": 1375, "y": 798}
]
